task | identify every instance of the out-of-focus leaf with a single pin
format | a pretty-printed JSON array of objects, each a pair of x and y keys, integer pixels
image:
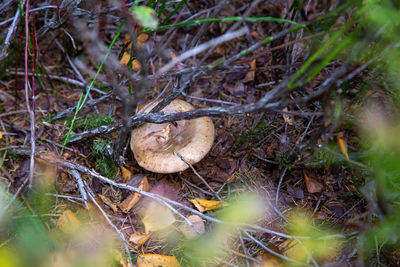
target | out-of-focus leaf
[
  {"x": 151, "y": 260},
  {"x": 146, "y": 16},
  {"x": 134, "y": 198},
  {"x": 204, "y": 205},
  {"x": 1, "y": 134},
  {"x": 269, "y": 260},
  {"x": 68, "y": 222},
  {"x": 342, "y": 145},
  {"x": 139, "y": 239},
  {"x": 321, "y": 248},
  {"x": 108, "y": 202},
  {"x": 136, "y": 66},
  {"x": 188, "y": 231},
  {"x": 157, "y": 217},
  {"x": 142, "y": 38},
  {"x": 125, "y": 59},
  {"x": 313, "y": 186}
]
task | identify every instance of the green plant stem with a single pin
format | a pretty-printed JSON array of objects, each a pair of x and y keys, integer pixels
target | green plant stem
[
  {"x": 228, "y": 19},
  {"x": 82, "y": 99}
]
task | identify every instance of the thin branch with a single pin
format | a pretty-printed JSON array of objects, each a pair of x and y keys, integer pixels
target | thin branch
[
  {"x": 198, "y": 49},
  {"x": 11, "y": 32},
  {"x": 28, "y": 105}
]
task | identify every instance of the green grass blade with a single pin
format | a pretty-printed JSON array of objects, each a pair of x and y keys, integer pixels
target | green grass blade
[
  {"x": 81, "y": 101},
  {"x": 228, "y": 19},
  {"x": 173, "y": 12}
]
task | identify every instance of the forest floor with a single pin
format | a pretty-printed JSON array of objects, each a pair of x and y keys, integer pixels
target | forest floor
[{"x": 302, "y": 160}]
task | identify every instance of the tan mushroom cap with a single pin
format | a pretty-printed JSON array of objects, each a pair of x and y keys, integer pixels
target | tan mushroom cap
[{"x": 156, "y": 146}]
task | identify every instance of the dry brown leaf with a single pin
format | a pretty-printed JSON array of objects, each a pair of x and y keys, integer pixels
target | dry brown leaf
[
  {"x": 151, "y": 260},
  {"x": 126, "y": 174},
  {"x": 157, "y": 217},
  {"x": 139, "y": 239},
  {"x": 68, "y": 222},
  {"x": 313, "y": 186},
  {"x": 188, "y": 230},
  {"x": 342, "y": 145},
  {"x": 134, "y": 198},
  {"x": 251, "y": 74},
  {"x": 289, "y": 119},
  {"x": 204, "y": 205},
  {"x": 108, "y": 202}
]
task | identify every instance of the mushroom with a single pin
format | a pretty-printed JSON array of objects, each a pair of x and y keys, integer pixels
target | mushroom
[{"x": 156, "y": 146}]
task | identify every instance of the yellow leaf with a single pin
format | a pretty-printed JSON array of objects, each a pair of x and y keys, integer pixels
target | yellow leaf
[
  {"x": 157, "y": 217},
  {"x": 108, "y": 202},
  {"x": 139, "y": 239},
  {"x": 131, "y": 200},
  {"x": 253, "y": 67},
  {"x": 136, "y": 66},
  {"x": 342, "y": 145},
  {"x": 142, "y": 38},
  {"x": 68, "y": 222},
  {"x": 151, "y": 260},
  {"x": 204, "y": 205},
  {"x": 188, "y": 230},
  {"x": 125, "y": 59},
  {"x": 269, "y": 260},
  {"x": 1, "y": 134},
  {"x": 126, "y": 174}
]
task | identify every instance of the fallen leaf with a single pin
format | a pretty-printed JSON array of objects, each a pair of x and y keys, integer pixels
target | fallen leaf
[
  {"x": 139, "y": 239},
  {"x": 134, "y": 198},
  {"x": 125, "y": 59},
  {"x": 268, "y": 260},
  {"x": 204, "y": 205},
  {"x": 136, "y": 66},
  {"x": 68, "y": 222},
  {"x": 342, "y": 145},
  {"x": 157, "y": 217},
  {"x": 108, "y": 202},
  {"x": 166, "y": 189},
  {"x": 117, "y": 255},
  {"x": 289, "y": 119},
  {"x": 151, "y": 260},
  {"x": 188, "y": 230},
  {"x": 252, "y": 73},
  {"x": 313, "y": 186},
  {"x": 1, "y": 134},
  {"x": 126, "y": 174},
  {"x": 142, "y": 38}
]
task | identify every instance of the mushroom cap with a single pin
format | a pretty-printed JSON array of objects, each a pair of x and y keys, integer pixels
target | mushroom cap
[{"x": 156, "y": 146}]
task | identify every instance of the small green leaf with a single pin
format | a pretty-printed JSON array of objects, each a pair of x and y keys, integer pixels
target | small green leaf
[{"x": 146, "y": 16}]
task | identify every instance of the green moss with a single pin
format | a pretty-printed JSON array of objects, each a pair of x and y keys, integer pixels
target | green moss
[
  {"x": 93, "y": 121},
  {"x": 104, "y": 164},
  {"x": 253, "y": 134}
]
